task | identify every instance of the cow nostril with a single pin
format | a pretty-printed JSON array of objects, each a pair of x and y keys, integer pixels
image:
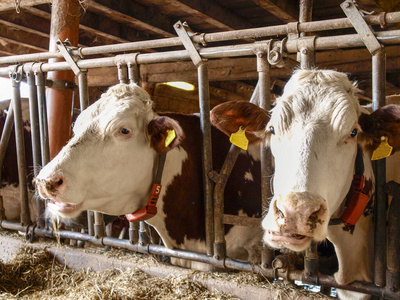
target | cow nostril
[{"x": 60, "y": 182}]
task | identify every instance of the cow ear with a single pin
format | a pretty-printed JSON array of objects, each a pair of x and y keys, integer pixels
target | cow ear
[
  {"x": 228, "y": 117},
  {"x": 162, "y": 129},
  {"x": 384, "y": 122}
]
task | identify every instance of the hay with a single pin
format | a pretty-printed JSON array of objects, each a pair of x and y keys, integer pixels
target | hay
[{"x": 35, "y": 275}]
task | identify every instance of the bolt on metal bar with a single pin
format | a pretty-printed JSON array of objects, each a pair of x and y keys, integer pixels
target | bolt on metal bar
[
  {"x": 35, "y": 137},
  {"x": 381, "y": 200},
  {"x": 19, "y": 137}
]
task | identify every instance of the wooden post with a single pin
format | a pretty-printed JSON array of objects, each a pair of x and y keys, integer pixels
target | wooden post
[{"x": 64, "y": 25}]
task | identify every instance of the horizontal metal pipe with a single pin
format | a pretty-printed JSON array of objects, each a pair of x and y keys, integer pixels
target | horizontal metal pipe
[
  {"x": 261, "y": 32},
  {"x": 327, "y": 280},
  {"x": 321, "y": 43}
]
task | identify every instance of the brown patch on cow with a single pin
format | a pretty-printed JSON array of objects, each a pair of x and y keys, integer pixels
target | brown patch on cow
[
  {"x": 383, "y": 122},
  {"x": 349, "y": 228},
  {"x": 158, "y": 131},
  {"x": 230, "y": 116},
  {"x": 184, "y": 197}
]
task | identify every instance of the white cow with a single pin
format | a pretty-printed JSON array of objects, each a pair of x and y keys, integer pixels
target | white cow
[
  {"x": 109, "y": 166},
  {"x": 314, "y": 132}
]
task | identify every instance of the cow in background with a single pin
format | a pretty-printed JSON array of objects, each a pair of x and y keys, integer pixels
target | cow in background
[
  {"x": 320, "y": 139},
  {"x": 109, "y": 164}
]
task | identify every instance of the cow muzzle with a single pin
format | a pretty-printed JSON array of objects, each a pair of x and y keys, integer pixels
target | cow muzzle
[
  {"x": 295, "y": 220},
  {"x": 51, "y": 186}
]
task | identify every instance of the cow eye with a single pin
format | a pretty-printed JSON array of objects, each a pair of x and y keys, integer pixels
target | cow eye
[
  {"x": 272, "y": 129},
  {"x": 124, "y": 131},
  {"x": 354, "y": 132}
]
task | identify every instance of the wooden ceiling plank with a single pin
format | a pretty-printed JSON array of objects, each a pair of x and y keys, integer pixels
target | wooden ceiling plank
[
  {"x": 212, "y": 13},
  {"x": 10, "y": 4},
  {"x": 29, "y": 46},
  {"x": 133, "y": 15},
  {"x": 286, "y": 11}
]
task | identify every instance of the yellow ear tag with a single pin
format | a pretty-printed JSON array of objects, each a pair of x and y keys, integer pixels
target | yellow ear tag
[
  {"x": 383, "y": 150},
  {"x": 171, "y": 135},
  {"x": 239, "y": 138}
]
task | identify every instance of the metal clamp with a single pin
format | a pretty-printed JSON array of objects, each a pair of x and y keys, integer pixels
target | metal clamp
[
  {"x": 362, "y": 28},
  {"x": 293, "y": 30},
  {"x": 15, "y": 73},
  {"x": 184, "y": 32},
  {"x": 275, "y": 53},
  {"x": 62, "y": 46}
]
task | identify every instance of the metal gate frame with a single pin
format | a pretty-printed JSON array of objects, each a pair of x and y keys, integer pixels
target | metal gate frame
[{"x": 386, "y": 275}]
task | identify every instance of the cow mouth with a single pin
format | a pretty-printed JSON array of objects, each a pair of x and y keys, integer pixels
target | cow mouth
[
  {"x": 64, "y": 208},
  {"x": 287, "y": 238}
]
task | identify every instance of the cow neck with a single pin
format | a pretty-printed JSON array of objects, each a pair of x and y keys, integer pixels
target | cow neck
[
  {"x": 150, "y": 210},
  {"x": 358, "y": 199}
]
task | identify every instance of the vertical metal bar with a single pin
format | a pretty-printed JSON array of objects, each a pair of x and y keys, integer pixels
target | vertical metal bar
[
  {"x": 133, "y": 232},
  {"x": 381, "y": 201},
  {"x": 35, "y": 134},
  {"x": 229, "y": 163},
  {"x": 393, "y": 256},
  {"x": 90, "y": 218},
  {"x": 5, "y": 138},
  {"x": 143, "y": 236},
  {"x": 83, "y": 90},
  {"x": 19, "y": 137},
  {"x": 308, "y": 61},
  {"x": 133, "y": 73},
  {"x": 263, "y": 84},
  {"x": 44, "y": 136},
  {"x": 98, "y": 225},
  {"x": 122, "y": 73},
  {"x": 204, "y": 103}
]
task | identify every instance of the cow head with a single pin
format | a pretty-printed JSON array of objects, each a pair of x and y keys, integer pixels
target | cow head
[
  {"x": 313, "y": 132},
  {"x": 108, "y": 164}
]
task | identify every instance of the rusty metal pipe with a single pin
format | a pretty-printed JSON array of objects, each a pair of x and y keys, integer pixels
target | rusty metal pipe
[
  {"x": 205, "y": 125},
  {"x": 381, "y": 201},
  {"x": 393, "y": 244},
  {"x": 19, "y": 138},
  {"x": 229, "y": 163}
]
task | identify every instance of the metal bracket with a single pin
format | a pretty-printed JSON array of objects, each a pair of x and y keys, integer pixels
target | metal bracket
[
  {"x": 15, "y": 73},
  {"x": 293, "y": 30},
  {"x": 62, "y": 46},
  {"x": 183, "y": 30},
  {"x": 362, "y": 28},
  {"x": 276, "y": 54}
]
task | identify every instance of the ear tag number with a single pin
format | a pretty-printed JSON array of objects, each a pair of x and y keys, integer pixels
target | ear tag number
[
  {"x": 383, "y": 150},
  {"x": 239, "y": 138},
  {"x": 171, "y": 135}
]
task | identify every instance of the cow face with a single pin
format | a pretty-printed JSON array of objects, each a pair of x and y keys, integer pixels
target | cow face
[
  {"x": 313, "y": 134},
  {"x": 108, "y": 164}
]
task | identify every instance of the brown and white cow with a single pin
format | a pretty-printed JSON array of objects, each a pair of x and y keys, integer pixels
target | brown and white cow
[
  {"x": 109, "y": 164},
  {"x": 314, "y": 132}
]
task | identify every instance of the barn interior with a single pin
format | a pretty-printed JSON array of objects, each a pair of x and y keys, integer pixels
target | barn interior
[{"x": 26, "y": 29}]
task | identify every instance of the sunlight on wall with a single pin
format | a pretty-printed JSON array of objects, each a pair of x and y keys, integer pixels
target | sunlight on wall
[{"x": 6, "y": 90}]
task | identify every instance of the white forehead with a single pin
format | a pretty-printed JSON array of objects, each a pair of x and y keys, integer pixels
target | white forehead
[
  {"x": 317, "y": 97},
  {"x": 120, "y": 102}
]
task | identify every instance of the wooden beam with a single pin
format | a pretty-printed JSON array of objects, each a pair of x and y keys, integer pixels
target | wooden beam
[
  {"x": 134, "y": 15},
  {"x": 21, "y": 36},
  {"x": 210, "y": 12},
  {"x": 5, "y": 41},
  {"x": 287, "y": 11},
  {"x": 10, "y": 4}
]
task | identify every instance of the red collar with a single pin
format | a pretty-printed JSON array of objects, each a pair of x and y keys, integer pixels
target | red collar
[
  {"x": 150, "y": 210},
  {"x": 358, "y": 199}
]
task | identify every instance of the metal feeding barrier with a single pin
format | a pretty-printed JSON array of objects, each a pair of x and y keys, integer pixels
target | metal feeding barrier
[{"x": 269, "y": 52}]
